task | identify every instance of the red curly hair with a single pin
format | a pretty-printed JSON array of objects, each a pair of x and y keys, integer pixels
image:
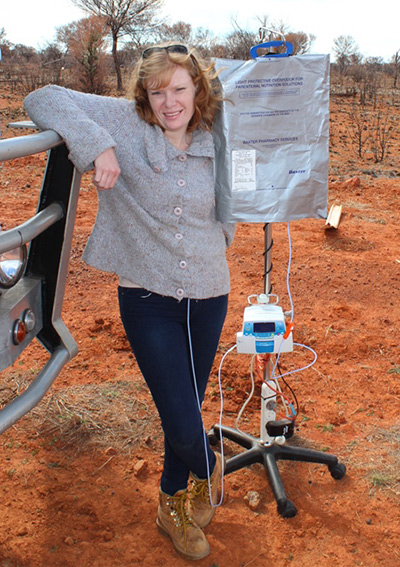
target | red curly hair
[{"x": 157, "y": 70}]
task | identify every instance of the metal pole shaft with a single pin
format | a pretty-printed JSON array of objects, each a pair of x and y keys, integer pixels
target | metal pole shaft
[
  {"x": 267, "y": 289},
  {"x": 267, "y": 258}
]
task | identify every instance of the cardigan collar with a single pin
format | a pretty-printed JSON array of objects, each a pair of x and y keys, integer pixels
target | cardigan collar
[{"x": 160, "y": 150}]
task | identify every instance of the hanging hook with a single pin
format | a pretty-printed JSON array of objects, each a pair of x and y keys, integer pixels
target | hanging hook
[
  {"x": 272, "y": 32},
  {"x": 271, "y": 44}
]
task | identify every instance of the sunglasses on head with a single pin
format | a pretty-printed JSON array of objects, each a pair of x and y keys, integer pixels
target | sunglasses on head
[{"x": 168, "y": 48}]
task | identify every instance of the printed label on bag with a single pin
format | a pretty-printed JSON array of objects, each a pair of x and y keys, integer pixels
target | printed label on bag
[{"x": 243, "y": 170}]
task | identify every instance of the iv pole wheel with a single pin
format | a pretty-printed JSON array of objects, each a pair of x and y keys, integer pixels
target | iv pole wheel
[
  {"x": 286, "y": 509},
  {"x": 214, "y": 437},
  {"x": 338, "y": 471}
]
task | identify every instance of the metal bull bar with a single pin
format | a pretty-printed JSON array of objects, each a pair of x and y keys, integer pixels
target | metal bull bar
[{"x": 40, "y": 291}]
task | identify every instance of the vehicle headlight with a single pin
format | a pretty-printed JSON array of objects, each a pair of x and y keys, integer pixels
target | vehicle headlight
[{"x": 12, "y": 266}]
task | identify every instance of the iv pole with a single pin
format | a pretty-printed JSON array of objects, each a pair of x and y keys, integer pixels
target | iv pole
[{"x": 268, "y": 450}]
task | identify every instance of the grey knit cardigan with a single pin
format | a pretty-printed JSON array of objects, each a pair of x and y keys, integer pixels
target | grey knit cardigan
[{"x": 157, "y": 227}]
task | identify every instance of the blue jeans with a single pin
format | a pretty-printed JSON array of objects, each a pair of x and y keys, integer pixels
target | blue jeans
[{"x": 158, "y": 332}]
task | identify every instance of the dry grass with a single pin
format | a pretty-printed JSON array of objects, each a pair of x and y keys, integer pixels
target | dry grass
[
  {"x": 87, "y": 416},
  {"x": 385, "y": 463},
  {"x": 376, "y": 452}
]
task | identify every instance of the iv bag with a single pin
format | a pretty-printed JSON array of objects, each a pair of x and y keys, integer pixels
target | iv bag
[{"x": 272, "y": 139}]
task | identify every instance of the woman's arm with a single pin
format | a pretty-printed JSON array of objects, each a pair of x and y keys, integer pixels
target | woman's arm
[{"x": 86, "y": 123}]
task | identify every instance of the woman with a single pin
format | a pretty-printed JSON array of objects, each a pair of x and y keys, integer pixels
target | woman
[{"x": 156, "y": 228}]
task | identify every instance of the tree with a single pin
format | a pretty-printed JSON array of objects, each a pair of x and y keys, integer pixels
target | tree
[
  {"x": 122, "y": 18},
  {"x": 204, "y": 41},
  {"x": 395, "y": 67},
  {"x": 346, "y": 51},
  {"x": 182, "y": 32},
  {"x": 239, "y": 42},
  {"x": 301, "y": 41},
  {"x": 24, "y": 54},
  {"x": 5, "y": 45},
  {"x": 52, "y": 60},
  {"x": 86, "y": 44}
]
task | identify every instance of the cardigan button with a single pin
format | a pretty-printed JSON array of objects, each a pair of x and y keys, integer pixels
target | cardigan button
[
  {"x": 157, "y": 169},
  {"x": 178, "y": 236},
  {"x": 182, "y": 264},
  {"x": 178, "y": 211},
  {"x": 181, "y": 183},
  {"x": 182, "y": 157},
  {"x": 180, "y": 292}
]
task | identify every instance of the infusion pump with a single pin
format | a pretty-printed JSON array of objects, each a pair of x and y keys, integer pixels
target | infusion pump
[{"x": 264, "y": 328}]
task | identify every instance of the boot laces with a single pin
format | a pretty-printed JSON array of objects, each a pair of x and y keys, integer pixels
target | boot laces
[
  {"x": 179, "y": 512},
  {"x": 199, "y": 491}
]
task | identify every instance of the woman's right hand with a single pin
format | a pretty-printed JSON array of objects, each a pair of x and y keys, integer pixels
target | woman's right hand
[{"x": 106, "y": 170}]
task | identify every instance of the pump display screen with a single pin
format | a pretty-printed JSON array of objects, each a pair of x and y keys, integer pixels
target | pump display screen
[{"x": 268, "y": 327}]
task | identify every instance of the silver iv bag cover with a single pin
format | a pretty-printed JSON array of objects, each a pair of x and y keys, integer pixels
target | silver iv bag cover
[{"x": 272, "y": 139}]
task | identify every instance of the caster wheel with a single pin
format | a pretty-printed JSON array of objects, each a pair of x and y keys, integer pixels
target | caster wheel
[
  {"x": 338, "y": 471},
  {"x": 287, "y": 509},
  {"x": 214, "y": 437}
]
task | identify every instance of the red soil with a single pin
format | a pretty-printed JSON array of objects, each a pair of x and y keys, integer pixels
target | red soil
[{"x": 90, "y": 499}]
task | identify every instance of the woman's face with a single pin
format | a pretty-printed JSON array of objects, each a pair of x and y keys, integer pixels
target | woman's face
[{"x": 173, "y": 105}]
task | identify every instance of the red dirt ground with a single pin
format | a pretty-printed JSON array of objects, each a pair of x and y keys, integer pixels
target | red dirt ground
[{"x": 86, "y": 494}]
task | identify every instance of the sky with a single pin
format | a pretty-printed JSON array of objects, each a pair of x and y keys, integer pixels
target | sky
[{"x": 372, "y": 24}]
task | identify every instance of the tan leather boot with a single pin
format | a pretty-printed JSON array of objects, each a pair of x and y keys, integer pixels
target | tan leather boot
[
  {"x": 200, "y": 508},
  {"x": 173, "y": 519}
]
